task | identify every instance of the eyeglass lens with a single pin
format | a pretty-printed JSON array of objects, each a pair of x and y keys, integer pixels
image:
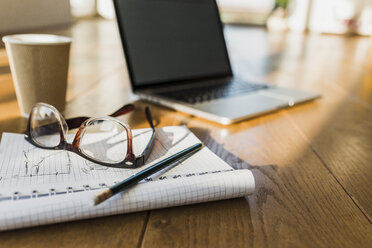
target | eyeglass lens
[
  {"x": 105, "y": 140},
  {"x": 45, "y": 127}
]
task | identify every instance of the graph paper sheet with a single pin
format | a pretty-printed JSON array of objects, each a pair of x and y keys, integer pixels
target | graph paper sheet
[{"x": 58, "y": 186}]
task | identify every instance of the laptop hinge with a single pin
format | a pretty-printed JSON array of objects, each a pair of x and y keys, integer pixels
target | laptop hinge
[{"x": 189, "y": 84}]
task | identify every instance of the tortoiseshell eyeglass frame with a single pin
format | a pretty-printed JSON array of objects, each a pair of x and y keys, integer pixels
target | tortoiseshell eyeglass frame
[{"x": 130, "y": 160}]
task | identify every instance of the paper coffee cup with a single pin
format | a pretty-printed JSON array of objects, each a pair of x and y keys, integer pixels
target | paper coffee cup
[{"x": 39, "y": 67}]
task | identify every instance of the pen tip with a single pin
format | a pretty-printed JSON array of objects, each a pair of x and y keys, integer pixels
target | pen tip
[{"x": 102, "y": 196}]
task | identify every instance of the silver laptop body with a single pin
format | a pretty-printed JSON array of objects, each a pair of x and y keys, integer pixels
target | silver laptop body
[
  {"x": 183, "y": 64},
  {"x": 232, "y": 109}
]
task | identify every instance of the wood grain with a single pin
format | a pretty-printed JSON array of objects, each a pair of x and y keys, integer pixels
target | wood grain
[
  {"x": 312, "y": 163},
  {"x": 297, "y": 202},
  {"x": 113, "y": 231},
  {"x": 337, "y": 127}
]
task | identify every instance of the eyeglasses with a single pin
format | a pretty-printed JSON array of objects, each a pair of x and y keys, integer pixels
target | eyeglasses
[{"x": 103, "y": 140}]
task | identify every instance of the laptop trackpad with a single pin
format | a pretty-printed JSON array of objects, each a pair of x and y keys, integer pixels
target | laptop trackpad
[{"x": 240, "y": 106}]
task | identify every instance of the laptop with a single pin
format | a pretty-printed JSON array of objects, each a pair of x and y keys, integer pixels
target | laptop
[{"x": 176, "y": 56}]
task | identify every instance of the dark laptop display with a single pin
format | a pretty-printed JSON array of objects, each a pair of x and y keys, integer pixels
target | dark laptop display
[{"x": 172, "y": 40}]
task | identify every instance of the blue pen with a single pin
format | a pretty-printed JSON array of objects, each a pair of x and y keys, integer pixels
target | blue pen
[{"x": 131, "y": 181}]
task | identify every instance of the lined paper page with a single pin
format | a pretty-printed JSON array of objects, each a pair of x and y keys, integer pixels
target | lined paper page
[
  {"x": 158, "y": 194},
  {"x": 60, "y": 184},
  {"x": 22, "y": 164}
]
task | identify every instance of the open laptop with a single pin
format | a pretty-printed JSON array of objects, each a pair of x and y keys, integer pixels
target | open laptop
[{"x": 176, "y": 56}]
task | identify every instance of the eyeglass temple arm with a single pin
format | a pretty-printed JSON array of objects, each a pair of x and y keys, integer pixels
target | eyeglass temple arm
[
  {"x": 149, "y": 117},
  {"x": 77, "y": 121},
  {"x": 141, "y": 159},
  {"x": 123, "y": 110}
]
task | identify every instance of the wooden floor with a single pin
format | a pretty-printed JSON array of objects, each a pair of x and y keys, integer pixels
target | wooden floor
[{"x": 312, "y": 163}]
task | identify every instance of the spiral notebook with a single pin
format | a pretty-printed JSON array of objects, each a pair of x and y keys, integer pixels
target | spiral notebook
[{"x": 39, "y": 187}]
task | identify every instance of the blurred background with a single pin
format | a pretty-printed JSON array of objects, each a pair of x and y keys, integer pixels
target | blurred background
[{"x": 319, "y": 16}]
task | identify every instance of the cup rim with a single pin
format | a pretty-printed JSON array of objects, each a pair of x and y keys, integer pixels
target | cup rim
[{"x": 36, "y": 39}]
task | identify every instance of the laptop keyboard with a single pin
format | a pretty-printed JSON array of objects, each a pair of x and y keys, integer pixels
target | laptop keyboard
[{"x": 211, "y": 92}]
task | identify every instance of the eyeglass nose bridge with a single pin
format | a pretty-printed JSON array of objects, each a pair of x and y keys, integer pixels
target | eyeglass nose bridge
[
  {"x": 70, "y": 147},
  {"x": 76, "y": 142}
]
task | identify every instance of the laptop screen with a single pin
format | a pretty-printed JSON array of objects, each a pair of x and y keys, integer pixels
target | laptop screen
[{"x": 172, "y": 40}]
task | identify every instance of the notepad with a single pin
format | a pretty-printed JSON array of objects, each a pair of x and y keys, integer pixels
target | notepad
[{"x": 39, "y": 186}]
